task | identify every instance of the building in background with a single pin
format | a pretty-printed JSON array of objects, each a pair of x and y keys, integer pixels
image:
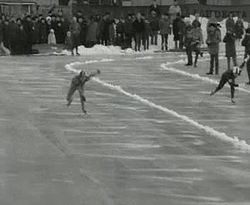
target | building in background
[{"x": 17, "y": 8}]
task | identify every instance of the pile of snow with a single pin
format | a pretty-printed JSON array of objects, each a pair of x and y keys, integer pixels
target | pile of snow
[{"x": 107, "y": 50}]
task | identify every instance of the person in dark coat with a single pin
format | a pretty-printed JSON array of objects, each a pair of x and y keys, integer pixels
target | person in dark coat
[
  {"x": 120, "y": 30},
  {"x": 6, "y": 36},
  {"x": 75, "y": 31},
  {"x": 154, "y": 24},
  {"x": 59, "y": 33},
  {"x": 181, "y": 31},
  {"x": 43, "y": 35},
  {"x": 154, "y": 7},
  {"x": 230, "y": 23},
  {"x": 246, "y": 44},
  {"x": 196, "y": 22},
  {"x": 229, "y": 77},
  {"x": 28, "y": 28},
  {"x": 83, "y": 24},
  {"x": 165, "y": 31},
  {"x": 129, "y": 31},
  {"x": 213, "y": 40},
  {"x": 104, "y": 29},
  {"x": 188, "y": 38},
  {"x": 146, "y": 33},
  {"x": 21, "y": 40},
  {"x": 176, "y": 30},
  {"x": 239, "y": 30},
  {"x": 35, "y": 30},
  {"x": 139, "y": 29},
  {"x": 92, "y": 32},
  {"x": 229, "y": 41},
  {"x": 13, "y": 35}
]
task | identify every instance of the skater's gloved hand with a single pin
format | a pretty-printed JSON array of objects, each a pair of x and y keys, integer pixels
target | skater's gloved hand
[{"x": 236, "y": 85}]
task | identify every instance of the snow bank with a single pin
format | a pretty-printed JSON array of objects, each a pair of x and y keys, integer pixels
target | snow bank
[{"x": 107, "y": 50}]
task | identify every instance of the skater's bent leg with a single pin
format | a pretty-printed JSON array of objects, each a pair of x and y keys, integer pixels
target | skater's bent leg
[
  {"x": 83, "y": 100},
  {"x": 70, "y": 94}
]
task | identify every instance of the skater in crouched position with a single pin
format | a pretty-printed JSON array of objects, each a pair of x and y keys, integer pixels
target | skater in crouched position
[
  {"x": 78, "y": 83},
  {"x": 229, "y": 77}
]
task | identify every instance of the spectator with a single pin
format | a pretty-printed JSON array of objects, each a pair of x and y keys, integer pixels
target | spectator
[
  {"x": 165, "y": 30},
  {"x": 176, "y": 30},
  {"x": 43, "y": 34},
  {"x": 146, "y": 34},
  {"x": 128, "y": 31},
  {"x": 139, "y": 28},
  {"x": 6, "y": 36},
  {"x": 230, "y": 23},
  {"x": 52, "y": 38},
  {"x": 155, "y": 8},
  {"x": 197, "y": 40},
  {"x": 174, "y": 10},
  {"x": 181, "y": 29},
  {"x": 35, "y": 30},
  {"x": 213, "y": 40},
  {"x": 229, "y": 41},
  {"x": 112, "y": 32},
  {"x": 75, "y": 32},
  {"x": 212, "y": 20},
  {"x": 59, "y": 33},
  {"x": 120, "y": 30},
  {"x": 239, "y": 30},
  {"x": 104, "y": 29},
  {"x": 188, "y": 42},
  {"x": 83, "y": 24},
  {"x": 91, "y": 35},
  {"x": 154, "y": 24},
  {"x": 69, "y": 42},
  {"x": 196, "y": 22},
  {"x": 21, "y": 40}
]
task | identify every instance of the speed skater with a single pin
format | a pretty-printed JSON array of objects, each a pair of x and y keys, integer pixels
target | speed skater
[
  {"x": 229, "y": 77},
  {"x": 78, "y": 83}
]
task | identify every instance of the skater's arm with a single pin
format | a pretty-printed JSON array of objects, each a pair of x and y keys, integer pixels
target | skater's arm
[{"x": 91, "y": 75}]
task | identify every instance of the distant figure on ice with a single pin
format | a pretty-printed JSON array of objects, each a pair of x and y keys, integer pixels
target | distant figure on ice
[
  {"x": 229, "y": 77},
  {"x": 78, "y": 83}
]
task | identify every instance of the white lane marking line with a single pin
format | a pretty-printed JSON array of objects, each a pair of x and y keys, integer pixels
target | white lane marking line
[
  {"x": 121, "y": 145},
  {"x": 167, "y": 170},
  {"x": 224, "y": 137},
  {"x": 115, "y": 156},
  {"x": 195, "y": 76}
]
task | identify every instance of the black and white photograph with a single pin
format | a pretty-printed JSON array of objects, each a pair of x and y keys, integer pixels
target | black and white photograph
[{"x": 125, "y": 102}]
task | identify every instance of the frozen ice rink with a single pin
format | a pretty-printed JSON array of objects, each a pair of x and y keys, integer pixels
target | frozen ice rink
[{"x": 153, "y": 134}]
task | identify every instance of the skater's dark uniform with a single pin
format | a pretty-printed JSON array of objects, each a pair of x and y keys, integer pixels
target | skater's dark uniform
[
  {"x": 229, "y": 77},
  {"x": 78, "y": 83}
]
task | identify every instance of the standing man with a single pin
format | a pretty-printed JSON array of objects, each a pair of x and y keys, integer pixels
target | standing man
[
  {"x": 154, "y": 24},
  {"x": 165, "y": 30},
  {"x": 75, "y": 31},
  {"x": 213, "y": 40},
  {"x": 139, "y": 29}
]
